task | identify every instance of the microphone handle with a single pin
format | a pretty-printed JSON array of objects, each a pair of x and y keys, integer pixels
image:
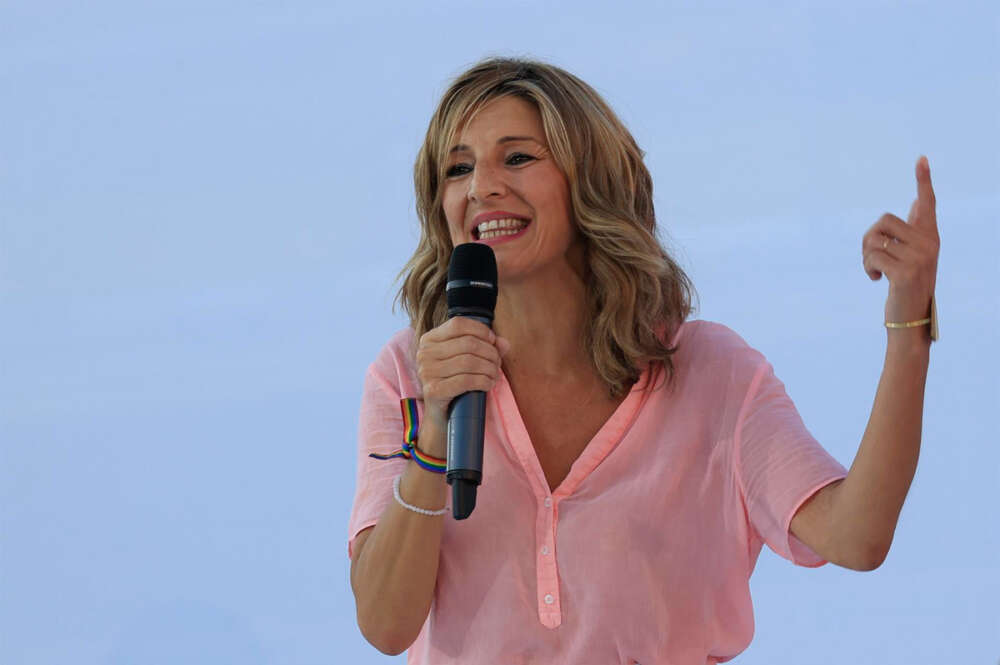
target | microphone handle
[{"x": 466, "y": 430}]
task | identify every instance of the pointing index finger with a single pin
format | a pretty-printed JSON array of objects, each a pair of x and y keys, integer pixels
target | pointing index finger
[{"x": 926, "y": 214}]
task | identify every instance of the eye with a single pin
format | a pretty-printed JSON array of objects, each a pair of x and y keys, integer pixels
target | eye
[
  {"x": 457, "y": 170},
  {"x": 519, "y": 158}
]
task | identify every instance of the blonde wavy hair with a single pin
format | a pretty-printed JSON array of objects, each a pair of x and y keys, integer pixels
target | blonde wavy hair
[{"x": 637, "y": 295}]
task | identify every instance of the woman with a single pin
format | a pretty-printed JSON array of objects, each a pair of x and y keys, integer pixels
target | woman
[{"x": 635, "y": 462}]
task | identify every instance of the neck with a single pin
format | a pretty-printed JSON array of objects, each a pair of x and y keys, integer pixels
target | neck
[{"x": 543, "y": 319}]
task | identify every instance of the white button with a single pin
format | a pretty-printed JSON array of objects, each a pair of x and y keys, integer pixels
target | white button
[
  {"x": 549, "y": 599},
  {"x": 545, "y": 549},
  {"x": 548, "y": 502}
]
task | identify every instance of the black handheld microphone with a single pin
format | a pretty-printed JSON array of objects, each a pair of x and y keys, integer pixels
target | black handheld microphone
[{"x": 472, "y": 292}]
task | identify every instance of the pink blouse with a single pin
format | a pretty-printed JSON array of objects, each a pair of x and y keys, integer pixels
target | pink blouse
[{"x": 644, "y": 552}]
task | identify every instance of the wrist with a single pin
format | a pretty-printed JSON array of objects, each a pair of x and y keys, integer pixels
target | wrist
[
  {"x": 928, "y": 325},
  {"x": 423, "y": 489},
  {"x": 432, "y": 438},
  {"x": 908, "y": 342},
  {"x": 432, "y": 454}
]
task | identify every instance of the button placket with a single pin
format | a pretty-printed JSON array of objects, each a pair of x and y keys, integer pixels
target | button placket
[{"x": 547, "y": 572}]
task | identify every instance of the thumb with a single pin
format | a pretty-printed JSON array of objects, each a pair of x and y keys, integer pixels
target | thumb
[{"x": 503, "y": 346}]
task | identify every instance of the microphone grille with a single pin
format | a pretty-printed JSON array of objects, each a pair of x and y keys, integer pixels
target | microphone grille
[{"x": 472, "y": 277}]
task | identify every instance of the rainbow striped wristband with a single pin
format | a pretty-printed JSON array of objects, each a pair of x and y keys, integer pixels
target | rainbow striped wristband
[{"x": 409, "y": 450}]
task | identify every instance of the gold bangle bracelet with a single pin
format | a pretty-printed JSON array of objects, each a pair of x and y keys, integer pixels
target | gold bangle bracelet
[
  {"x": 909, "y": 324},
  {"x": 932, "y": 319}
]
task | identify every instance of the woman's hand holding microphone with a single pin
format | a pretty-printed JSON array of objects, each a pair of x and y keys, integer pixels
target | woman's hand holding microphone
[{"x": 458, "y": 356}]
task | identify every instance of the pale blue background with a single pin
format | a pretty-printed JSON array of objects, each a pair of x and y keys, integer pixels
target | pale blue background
[{"x": 203, "y": 206}]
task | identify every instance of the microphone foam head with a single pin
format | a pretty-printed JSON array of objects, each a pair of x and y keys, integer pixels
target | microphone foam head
[{"x": 472, "y": 280}]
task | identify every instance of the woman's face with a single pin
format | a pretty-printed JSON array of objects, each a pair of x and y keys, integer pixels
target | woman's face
[{"x": 503, "y": 188}]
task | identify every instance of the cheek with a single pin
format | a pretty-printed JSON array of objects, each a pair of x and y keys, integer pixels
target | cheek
[{"x": 453, "y": 212}]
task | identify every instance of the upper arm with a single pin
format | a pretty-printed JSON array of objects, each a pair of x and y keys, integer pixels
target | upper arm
[{"x": 813, "y": 523}]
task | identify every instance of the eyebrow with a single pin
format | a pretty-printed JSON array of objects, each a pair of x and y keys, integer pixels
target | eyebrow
[{"x": 505, "y": 139}]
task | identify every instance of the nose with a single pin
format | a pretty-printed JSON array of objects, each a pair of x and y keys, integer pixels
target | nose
[{"x": 486, "y": 181}]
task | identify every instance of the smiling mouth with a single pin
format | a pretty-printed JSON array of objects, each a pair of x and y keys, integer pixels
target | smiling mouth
[{"x": 498, "y": 228}]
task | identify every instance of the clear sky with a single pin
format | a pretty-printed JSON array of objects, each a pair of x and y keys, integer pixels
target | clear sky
[{"x": 204, "y": 205}]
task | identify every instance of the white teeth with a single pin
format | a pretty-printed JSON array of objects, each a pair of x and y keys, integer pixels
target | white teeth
[
  {"x": 509, "y": 223},
  {"x": 496, "y": 234}
]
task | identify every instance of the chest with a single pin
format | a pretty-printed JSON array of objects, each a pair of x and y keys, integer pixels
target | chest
[{"x": 560, "y": 425}]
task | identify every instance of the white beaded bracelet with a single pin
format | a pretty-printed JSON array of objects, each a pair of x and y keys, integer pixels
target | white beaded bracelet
[{"x": 422, "y": 511}]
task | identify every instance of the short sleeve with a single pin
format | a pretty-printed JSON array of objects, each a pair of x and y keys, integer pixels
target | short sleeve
[
  {"x": 780, "y": 465},
  {"x": 380, "y": 430}
]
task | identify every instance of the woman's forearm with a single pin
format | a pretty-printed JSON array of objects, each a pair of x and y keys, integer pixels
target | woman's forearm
[
  {"x": 870, "y": 499},
  {"x": 396, "y": 570}
]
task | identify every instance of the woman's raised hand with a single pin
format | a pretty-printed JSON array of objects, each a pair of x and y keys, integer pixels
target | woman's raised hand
[
  {"x": 907, "y": 253},
  {"x": 459, "y": 355}
]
